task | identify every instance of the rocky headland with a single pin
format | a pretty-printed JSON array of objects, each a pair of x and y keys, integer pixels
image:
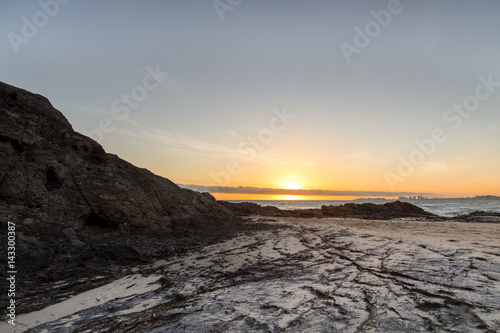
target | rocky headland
[{"x": 80, "y": 212}]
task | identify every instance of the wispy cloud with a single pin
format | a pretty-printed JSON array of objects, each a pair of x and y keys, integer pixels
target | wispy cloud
[
  {"x": 436, "y": 167},
  {"x": 279, "y": 191},
  {"x": 190, "y": 146}
]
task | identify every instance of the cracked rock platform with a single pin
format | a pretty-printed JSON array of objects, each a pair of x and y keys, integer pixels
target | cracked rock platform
[{"x": 305, "y": 275}]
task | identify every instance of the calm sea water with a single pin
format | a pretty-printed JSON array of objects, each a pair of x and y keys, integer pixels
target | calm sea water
[{"x": 442, "y": 207}]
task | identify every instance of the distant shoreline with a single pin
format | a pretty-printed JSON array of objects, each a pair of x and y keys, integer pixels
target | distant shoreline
[
  {"x": 476, "y": 198},
  {"x": 368, "y": 210}
]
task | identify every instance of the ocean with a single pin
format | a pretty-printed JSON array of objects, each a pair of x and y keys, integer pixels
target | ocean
[{"x": 442, "y": 207}]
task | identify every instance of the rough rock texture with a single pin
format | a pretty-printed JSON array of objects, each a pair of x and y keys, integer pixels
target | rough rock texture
[
  {"x": 73, "y": 204},
  {"x": 251, "y": 208},
  {"x": 479, "y": 216},
  {"x": 391, "y": 210},
  {"x": 316, "y": 275}
]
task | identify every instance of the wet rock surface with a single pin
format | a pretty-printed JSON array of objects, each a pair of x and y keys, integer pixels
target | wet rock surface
[
  {"x": 479, "y": 216},
  {"x": 305, "y": 275}
]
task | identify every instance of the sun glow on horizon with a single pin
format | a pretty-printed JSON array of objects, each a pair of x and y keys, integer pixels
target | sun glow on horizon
[
  {"x": 291, "y": 186},
  {"x": 288, "y": 197}
]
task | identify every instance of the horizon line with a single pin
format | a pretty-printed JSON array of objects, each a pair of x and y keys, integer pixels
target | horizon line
[{"x": 304, "y": 192}]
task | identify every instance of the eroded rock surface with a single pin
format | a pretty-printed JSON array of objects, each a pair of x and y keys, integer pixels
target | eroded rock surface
[{"x": 309, "y": 275}]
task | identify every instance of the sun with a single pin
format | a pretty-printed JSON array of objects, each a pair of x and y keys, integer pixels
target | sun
[
  {"x": 291, "y": 186},
  {"x": 290, "y": 197}
]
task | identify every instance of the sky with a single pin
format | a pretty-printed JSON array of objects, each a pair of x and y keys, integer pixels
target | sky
[{"x": 355, "y": 98}]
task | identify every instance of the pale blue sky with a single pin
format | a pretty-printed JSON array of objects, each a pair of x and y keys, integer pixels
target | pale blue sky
[{"x": 226, "y": 77}]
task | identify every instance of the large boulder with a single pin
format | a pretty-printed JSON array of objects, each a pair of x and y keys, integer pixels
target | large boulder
[{"x": 69, "y": 199}]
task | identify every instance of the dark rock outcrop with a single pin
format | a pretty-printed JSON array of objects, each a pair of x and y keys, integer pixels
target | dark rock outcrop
[
  {"x": 391, "y": 210},
  {"x": 250, "y": 208},
  {"x": 387, "y": 211},
  {"x": 479, "y": 216},
  {"x": 77, "y": 208}
]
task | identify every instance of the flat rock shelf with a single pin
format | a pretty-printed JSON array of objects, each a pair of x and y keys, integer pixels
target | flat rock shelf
[{"x": 305, "y": 275}]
